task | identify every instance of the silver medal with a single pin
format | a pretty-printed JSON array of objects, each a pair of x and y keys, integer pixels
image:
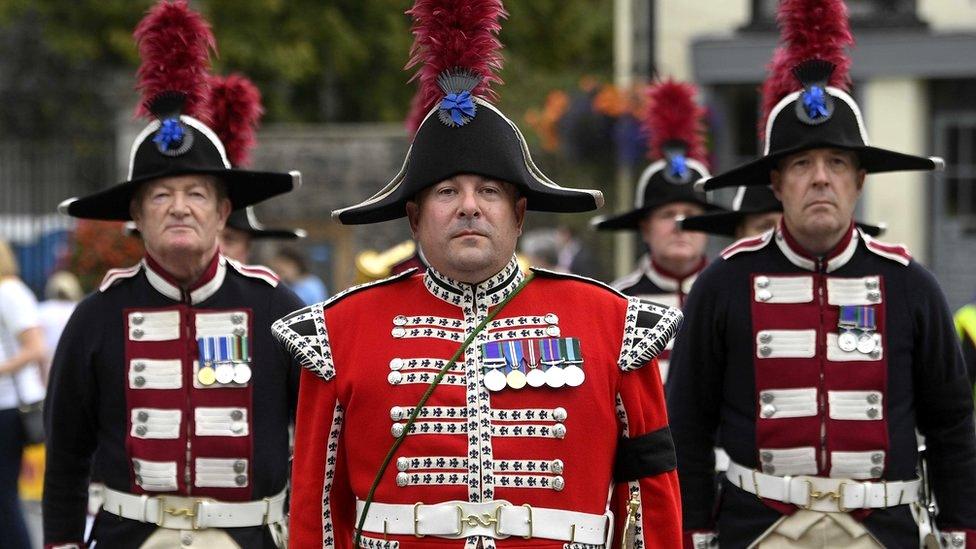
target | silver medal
[
  {"x": 555, "y": 377},
  {"x": 242, "y": 373},
  {"x": 866, "y": 344},
  {"x": 847, "y": 341},
  {"x": 574, "y": 376},
  {"x": 224, "y": 373},
  {"x": 495, "y": 380},
  {"x": 536, "y": 377}
]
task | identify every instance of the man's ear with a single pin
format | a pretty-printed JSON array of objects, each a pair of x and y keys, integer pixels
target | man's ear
[
  {"x": 413, "y": 216},
  {"x": 776, "y": 182},
  {"x": 861, "y": 174},
  {"x": 520, "y": 207},
  {"x": 223, "y": 209}
]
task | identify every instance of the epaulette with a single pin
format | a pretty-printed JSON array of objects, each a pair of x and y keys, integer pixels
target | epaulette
[
  {"x": 259, "y": 272},
  {"x": 546, "y": 273},
  {"x": 305, "y": 335},
  {"x": 114, "y": 276},
  {"x": 748, "y": 244},
  {"x": 627, "y": 280},
  {"x": 895, "y": 252},
  {"x": 648, "y": 326}
]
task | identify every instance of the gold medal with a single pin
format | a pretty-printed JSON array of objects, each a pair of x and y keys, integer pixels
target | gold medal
[{"x": 206, "y": 376}]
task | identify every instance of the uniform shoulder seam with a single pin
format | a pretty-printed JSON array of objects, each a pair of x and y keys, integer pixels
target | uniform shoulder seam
[
  {"x": 747, "y": 244},
  {"x": 546, "y": 273},
  {"x": 113, "y": 276}
]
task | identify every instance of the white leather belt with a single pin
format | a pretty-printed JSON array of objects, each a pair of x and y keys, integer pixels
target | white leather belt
[
  {"x": 497, "y": 519},
  {"x": 831, "y": 495},
  {"x": 190, "y": 513}
]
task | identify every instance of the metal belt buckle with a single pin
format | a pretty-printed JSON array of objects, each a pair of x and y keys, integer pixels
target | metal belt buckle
[
  {"x": 837, "y": 496},
  {"x": 192, "y": 512}
]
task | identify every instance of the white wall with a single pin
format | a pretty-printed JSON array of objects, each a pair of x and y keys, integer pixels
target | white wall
[{"x": 678, "y": 22}]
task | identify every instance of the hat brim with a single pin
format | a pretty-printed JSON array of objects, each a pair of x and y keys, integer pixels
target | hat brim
[
  {"x": 872, "y": 159},
  {"x": 244, "y": 188},
  {"x": 489, "y": 145},
  {"x": 630, "y": 221}
]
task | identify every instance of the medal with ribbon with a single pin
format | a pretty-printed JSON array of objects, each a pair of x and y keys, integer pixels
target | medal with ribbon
[
  {"x": 847, "y": 323},
  {"x": 857, "y": 326},
  {"x": 223, "y": 360},
  {"x": 515, "y": 363}
]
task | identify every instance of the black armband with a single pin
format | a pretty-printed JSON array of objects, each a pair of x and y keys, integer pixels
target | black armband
[{"x": 645, "y": 456}]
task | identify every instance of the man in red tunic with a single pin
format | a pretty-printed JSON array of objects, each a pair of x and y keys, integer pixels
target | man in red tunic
[{"x": 549, "y": 431}]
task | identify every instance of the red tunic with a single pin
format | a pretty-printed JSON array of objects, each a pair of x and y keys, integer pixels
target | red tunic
[{"x": 370, "y": 354}]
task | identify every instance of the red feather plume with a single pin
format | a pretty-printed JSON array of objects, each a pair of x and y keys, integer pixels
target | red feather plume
[
  {"x": 809, "y": 29},
  {"x": 673, "y": 115},
  {"x": 175, "y": 44},
  {"x": 235, "y": 104},
  {"x": 454, "y": 33}
]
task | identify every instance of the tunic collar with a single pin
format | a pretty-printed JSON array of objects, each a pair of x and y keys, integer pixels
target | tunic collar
[
  {"x": 490, "y": 292},
  {"x": 207, "y": 285},
  {"x": 668, "y": 281},
  {"x": 835, "y": 259}
]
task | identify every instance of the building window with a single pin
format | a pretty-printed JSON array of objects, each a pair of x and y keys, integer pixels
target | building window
[{"x": 863, "y": 14}]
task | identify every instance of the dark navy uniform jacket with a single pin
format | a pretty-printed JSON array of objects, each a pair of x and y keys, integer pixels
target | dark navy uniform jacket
[
  {"x": 764, "y": 319},
  {"x": 125, "y": 405}
]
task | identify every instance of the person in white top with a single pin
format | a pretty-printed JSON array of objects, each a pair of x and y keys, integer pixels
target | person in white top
[
  {"x": 21, "y": 348},
  {"x": 61, "y": 294}
]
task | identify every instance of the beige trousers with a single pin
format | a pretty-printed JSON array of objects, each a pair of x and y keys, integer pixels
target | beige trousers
[{"x": 816, "y": 530}]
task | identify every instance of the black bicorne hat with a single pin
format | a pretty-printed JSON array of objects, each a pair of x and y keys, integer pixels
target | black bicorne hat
[
  {"x": 666, "y": 181},
  {"x": 174, "y": 145},
  {"x": 751, "y": 200},
  {"x": 246, "y": 220},
  {"x": 465, "y": 134}
]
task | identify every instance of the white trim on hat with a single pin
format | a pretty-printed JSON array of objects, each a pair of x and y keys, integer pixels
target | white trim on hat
[
  {"x": 657, "y": 166},
  {"x": 834, "y": 92},
  {"x": 740, "y": 195},
  {"x": 188, "y": 120}
]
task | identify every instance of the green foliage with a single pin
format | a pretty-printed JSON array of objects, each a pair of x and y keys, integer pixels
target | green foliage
[{"x": 314, "y": 60}]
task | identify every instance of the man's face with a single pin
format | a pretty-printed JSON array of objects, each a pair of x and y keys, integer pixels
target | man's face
[
  {"x": 819, "y": 189},
  {"x": 755, "y": 224},
  {"x": 666, "y": 241},
  {"x": 180, "y": 214},
  {"x": 467, "y": 225},
  {"x": 235, "y": 244}
]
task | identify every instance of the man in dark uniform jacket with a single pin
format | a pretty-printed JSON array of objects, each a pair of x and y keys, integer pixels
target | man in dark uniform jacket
[
  {"x": 816, "y": 351},
  {"x": 166, "y": 385}
]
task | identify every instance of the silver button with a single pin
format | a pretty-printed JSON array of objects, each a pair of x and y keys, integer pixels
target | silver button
[
  {"x": 401, "y": 479},
  {"x": 141, "y": 430},
  {"x": 237, "y": 415},
  {"x": 136, "y": 466},
  {"x": 399, "y": 320},
  {"x": 872, "y": 412},
  {"x": 871, "y": 283},
  {"x": 875, "y": 354},
  {"x": 558, "y": 484},
  {"x": 556, "y": 466},
  {"x": 551, "y": 318},
  {"x": 139, "y": 480},
  {"x": 765, "y": 337},
  {"x": 765, "y": 350},
  {"x": 142, "y": 416},
  {"x": 137, "y": 333},
  {"x": 768, "y": 410},
  {"x": 766, "y": 457},
  {"x": 397, "y": 430},
  {"x": 764, "y": 295},
  {"x": 139, "y": 381},
  {"x": 766, "y": 398},
  {"x": 237, "y": 427},
  {"x": 874, "y": 296},
  {"x": 240, "y": 466},
  {"x": 876, "y": 472},
  {"x": 403, "y": 464},
  {"x": 137, "y": 318},
  {"x": 396, "y": 364},
  {"x": 559, "y": 414},
  {"x": 398, "y": 332},
  {"x": 552, "y": 331},
  {"x": 237, "y": 318},
  {"x": 873, "y": 398},
  {"x": 559, "y": 430},
  {"x": 139, "y": 366},
  {"x": 239, "y": 331},
  {"x": 396, "y": 413},
  {"x": 240, "y": 480},
  {"x": 186, "y": 539},
  {"x": 394, "y": 378},
  {"x": 769, "y": 468},
  {"x": 762, "y": 281},
  {"x": 877, "y": 458},
  {"x": 958, "y": 539}
]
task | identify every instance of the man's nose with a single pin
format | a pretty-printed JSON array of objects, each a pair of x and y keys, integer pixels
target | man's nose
[{"x": 469, "y": 205}]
